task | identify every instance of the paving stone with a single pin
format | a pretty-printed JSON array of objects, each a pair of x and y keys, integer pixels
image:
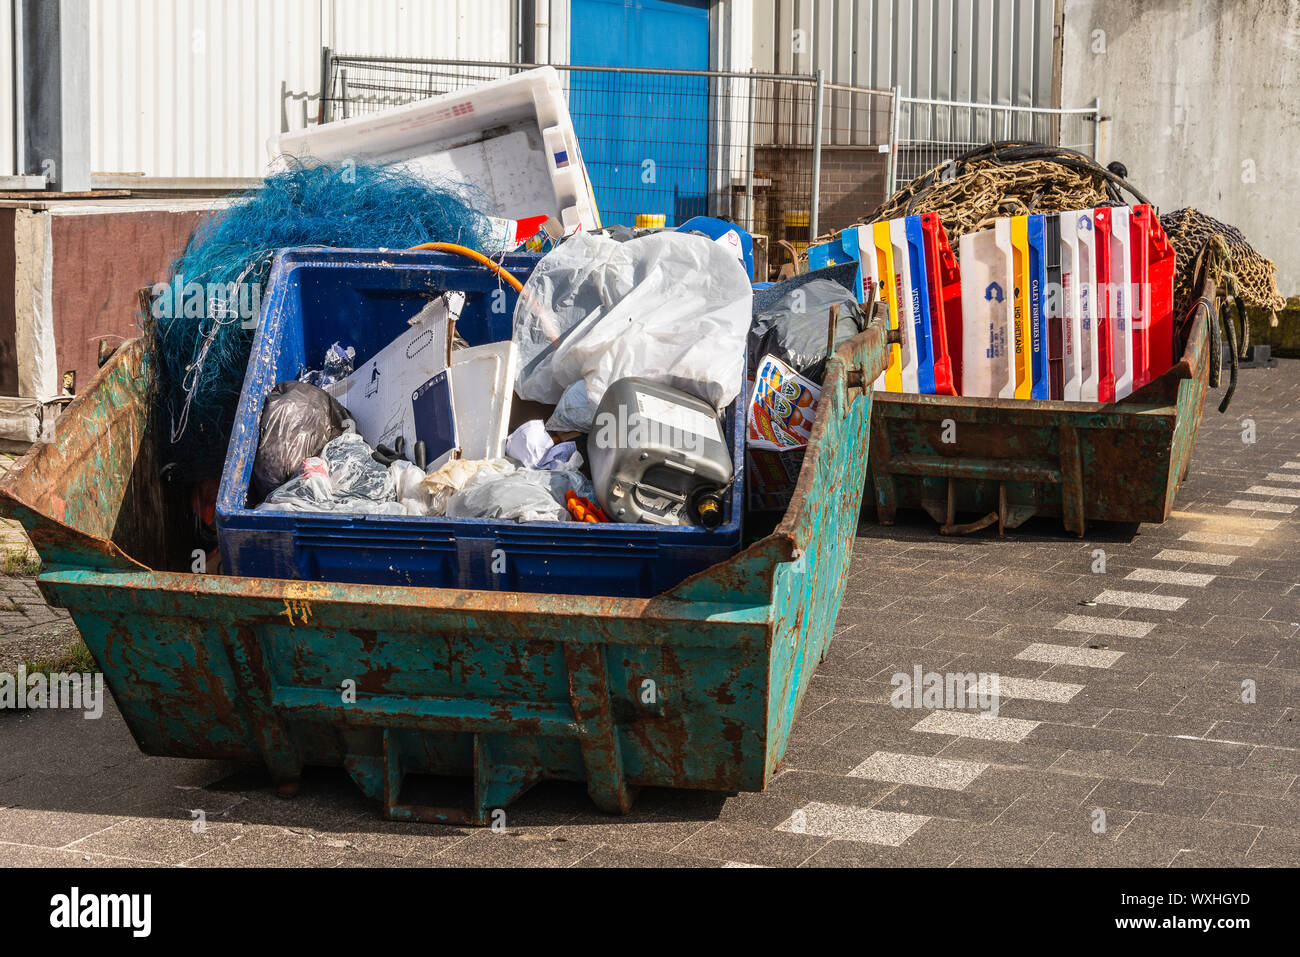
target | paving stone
[
  {"x": 752, "y": 845},
  {"x": 1062, "y": 654},
  {"x": 923, "y": 770},
  {"x": 1164, "y": 798},
  {"x": 842, "y": 823},
  {"x": 966, "y": 725}
]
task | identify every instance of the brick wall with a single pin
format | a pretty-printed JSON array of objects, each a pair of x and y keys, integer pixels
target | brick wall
[{"x": 852, "y": 185}]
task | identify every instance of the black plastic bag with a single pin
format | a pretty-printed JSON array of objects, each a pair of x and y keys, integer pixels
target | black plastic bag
[
  {"x": 791, "y": 319},
  {"x": 297, "y": 422}
]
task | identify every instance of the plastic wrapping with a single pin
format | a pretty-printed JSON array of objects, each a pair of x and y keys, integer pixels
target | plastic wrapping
[
  {"x": 455, "y": 475},
  {"x": 336, "y": 367},
  {"x": 793, "y": 326},
  {"x": 562, "y": 455},
  {"x": 525, "y": 495},
  {"x": 297, "y": 422},
  {"x": 357, "y": 483},
  {"x": 408, "y": 487},
  {"x": 529, "y": 443},
  {"x": 671, "y": 307}
]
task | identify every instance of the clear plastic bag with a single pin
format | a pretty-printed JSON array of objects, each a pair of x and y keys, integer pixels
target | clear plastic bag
[
  {"x": 357, "y": 483},
  {"x": 672, "y": 307},
  {"x": 525, "y": 495},
  {"x": 442, "y": 484},
  {"x": 336, "y": 367}
]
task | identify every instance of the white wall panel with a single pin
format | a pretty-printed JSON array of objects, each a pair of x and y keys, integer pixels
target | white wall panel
[
  {"x": 990, "y": 51},
  {"x": 6, "y": 91},
  {"x": 195, "y": 87}
]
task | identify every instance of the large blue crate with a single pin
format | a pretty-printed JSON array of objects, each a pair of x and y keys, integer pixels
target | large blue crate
[{"x": 364, "y": 298}]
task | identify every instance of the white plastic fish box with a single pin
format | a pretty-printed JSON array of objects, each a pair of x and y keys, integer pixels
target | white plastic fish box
[{"x": 510, "y": 140}]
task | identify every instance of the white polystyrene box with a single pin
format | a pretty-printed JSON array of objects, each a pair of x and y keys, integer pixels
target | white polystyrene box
[{"x": 511, "y": 140}]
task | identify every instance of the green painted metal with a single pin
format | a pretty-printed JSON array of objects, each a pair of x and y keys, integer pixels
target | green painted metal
[
  {"x": 695, "y": 688},
  {"x": 1003, "y": 461}
]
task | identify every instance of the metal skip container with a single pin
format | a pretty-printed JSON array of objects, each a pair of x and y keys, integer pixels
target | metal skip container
[
  {"x": 694, "y": 688},
  {"x": 1009, "y": 460}
]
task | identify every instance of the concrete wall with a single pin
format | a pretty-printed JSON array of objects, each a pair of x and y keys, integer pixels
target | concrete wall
[{"x": 1202, "y": 96}]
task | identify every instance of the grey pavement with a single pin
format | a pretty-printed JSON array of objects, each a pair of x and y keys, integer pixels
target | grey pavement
[{"x": 1147, "y": 716}]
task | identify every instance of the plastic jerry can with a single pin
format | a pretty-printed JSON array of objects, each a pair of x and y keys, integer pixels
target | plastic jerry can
[
  {"x": 869, "y": 277},
  {"x": 1053, "y": 306},
  {"x": 1036, "y": 291},
  {"x": 1103, "y": 325},
  {"x": 1022, "y": 344},
  {"x": 1121, "y": 301},
  {"x": 1072, "y": 261},
  {"x": 1086, "y": 276},
  {"x": 658, "y": 455},
  {"x": 903, "y": 298},
  {"x": 1153, "y": 295}
]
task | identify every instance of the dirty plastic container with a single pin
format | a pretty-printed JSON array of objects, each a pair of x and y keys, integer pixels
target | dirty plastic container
[
  {"x": 363, "y": 298},
  {"x": 511, "y": 140}
]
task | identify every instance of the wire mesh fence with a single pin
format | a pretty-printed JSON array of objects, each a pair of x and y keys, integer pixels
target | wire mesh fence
[
  {"x": 788, "y": 156},
  {"x": 932, "y": 131},
  {"x": 677, "y": 144}
]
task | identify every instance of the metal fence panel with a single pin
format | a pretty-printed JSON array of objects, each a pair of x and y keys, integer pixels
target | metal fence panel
[
  {"x": 680, "y": 143},
  {"x": 932, "y": 131}
]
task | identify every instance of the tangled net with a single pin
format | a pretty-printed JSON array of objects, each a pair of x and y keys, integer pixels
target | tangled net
[
  {"x": 1255, "y": 277},
  {"x": 972, "y": 191},
  {"x": 202, "y": 321},
  {"x": 1005, "y": 179}
]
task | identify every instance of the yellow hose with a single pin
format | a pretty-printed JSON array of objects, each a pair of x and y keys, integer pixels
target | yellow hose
[{"x": 478, "y": 257}]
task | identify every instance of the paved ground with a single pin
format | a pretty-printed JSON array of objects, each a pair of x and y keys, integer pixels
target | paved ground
[
  {"x": 30, "y": 630},
  {"x": 1122, "y": 736}
]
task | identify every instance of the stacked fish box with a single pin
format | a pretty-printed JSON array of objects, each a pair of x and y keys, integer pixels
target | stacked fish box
[{"x": 1074, "y": 306}]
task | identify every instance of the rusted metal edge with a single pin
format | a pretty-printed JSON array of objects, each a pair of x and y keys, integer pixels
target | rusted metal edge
[
  {"x": 485, "y": 614},
  {"x": 865, "y": 355}
]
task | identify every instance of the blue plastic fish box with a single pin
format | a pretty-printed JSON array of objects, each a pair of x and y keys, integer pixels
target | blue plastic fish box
[{"x": 364, "y": 298}]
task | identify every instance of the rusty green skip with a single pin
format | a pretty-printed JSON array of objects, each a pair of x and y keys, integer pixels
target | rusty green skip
[
  {"x": 695, "y": 688},
  {"x": 1003, "y": 461}
]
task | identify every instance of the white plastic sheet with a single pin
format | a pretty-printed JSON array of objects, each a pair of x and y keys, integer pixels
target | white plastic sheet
[
  {"x": 442, "y": 484},
  {"x": 671, "y": 307},
  {"x": 525, "y": 495},
  {"x": 357, "y": 484}
]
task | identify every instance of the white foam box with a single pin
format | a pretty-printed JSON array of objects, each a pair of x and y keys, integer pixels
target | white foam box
[{"x": 511, "y": 141}]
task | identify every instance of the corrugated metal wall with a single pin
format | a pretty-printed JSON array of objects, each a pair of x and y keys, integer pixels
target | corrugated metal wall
[
  {"x": 985, "y": 51},
  {"x": 195, "y": 88},
  {"x": 6, "y": 91}
]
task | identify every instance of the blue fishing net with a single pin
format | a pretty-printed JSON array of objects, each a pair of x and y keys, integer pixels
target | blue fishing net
[{"x": 203, "y": 320}]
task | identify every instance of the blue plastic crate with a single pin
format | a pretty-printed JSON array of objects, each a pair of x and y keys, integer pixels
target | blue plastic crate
[{"x": 364, "y": 298}]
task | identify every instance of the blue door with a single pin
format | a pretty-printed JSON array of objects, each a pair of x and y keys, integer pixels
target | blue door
[{"x": 644, "y": 137}]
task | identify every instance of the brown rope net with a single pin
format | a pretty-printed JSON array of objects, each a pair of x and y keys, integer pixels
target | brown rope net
[{"x": 972, "y": 191}]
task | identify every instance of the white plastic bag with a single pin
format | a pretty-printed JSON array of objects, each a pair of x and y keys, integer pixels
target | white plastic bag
[
  {"x": 356, "y": 483},
  {"x": 668, "y": 306},
  {"x": 525, "y": 495},
  {"x": 442, "y": 484},
  {"x": 408, "y": 486},
  {"x": 529, "y": 443}
]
